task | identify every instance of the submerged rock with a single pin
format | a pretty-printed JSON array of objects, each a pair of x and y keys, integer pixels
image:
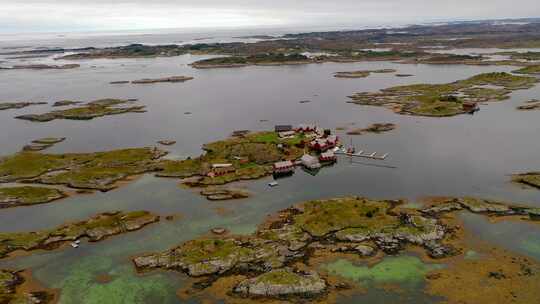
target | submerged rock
[
  {"x": 282, "y": 282},
  {"x": 166, "y": 79}
]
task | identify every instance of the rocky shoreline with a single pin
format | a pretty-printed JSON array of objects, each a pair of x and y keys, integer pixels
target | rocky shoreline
[
  {"x": 275, "y": 258},
  {"x": 94, "y": 171},
  {"x": 449, "y": 99},
  {"x": 94, "y": 229}
]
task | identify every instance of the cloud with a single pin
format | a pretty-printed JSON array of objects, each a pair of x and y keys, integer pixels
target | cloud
[{"x": 66, "y": 15}]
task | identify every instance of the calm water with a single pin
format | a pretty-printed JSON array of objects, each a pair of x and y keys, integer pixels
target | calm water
[{"x": 464, "y": 155}]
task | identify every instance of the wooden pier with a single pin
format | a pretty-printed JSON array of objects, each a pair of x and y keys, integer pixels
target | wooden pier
[{"x": 363, "y": 154}]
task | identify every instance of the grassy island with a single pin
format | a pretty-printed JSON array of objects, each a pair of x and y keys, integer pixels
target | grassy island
[
  {"x": 95, "y": 229},
  {"x": 258, "y": 59},
  {"x": 361, "y": 74},
  {"x": 91, "y": 110},
  {"x": 28, "y": 195},
  {"x": 446, "y": 99},
  {"x": 250, "y": 157},
  {"x": 376, "y": 128},
  {"x": 97, "y": 171},
  {"x": 277, "y": 261}
]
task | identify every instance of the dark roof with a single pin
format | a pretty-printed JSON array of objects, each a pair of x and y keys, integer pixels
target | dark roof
[{"x": 283, "y": 128}]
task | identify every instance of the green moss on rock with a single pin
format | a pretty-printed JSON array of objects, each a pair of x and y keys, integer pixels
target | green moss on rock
[
  {"x": 99, "y": 170},
  {"x": 446, "y": 99},
  {"x": 28, "y": 195}
]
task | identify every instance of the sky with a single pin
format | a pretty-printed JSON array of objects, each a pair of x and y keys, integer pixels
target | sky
[{"x": 102, "y": 15}]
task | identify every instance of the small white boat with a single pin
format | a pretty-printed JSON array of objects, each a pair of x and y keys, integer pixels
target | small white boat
[
  {"x": 77, "y": 242},
  {"x": 74, "y": 245},
  {"x": 273, "y": 184}
]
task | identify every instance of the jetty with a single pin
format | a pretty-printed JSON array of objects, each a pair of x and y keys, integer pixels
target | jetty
[{"x": 361, "y": 154}]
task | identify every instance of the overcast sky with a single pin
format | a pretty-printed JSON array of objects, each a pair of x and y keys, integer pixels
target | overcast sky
[{"x": 82, "y": 15}]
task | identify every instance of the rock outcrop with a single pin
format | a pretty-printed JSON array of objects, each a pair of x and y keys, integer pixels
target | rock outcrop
[{"x": 282, "y": 282}]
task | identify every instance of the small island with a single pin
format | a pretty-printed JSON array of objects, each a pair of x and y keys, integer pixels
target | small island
[
  {"x": 533, "y": 104},
  {"x": 92, "y": 171},
  {"x": 222, "y": 193},
  {"x": 94, "y": 229},
  {"x": 361, "y": 74},
  {"x": 91, "y": 110},
  {"x": 376, "y": 128},
  {"x": 43, "y": 143},
  {"x": 258, "y": 59},
  {"x": 450, "y": 99},
  {"x": 28, "y": 195},
  {"x": 250, "y": 156}
]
